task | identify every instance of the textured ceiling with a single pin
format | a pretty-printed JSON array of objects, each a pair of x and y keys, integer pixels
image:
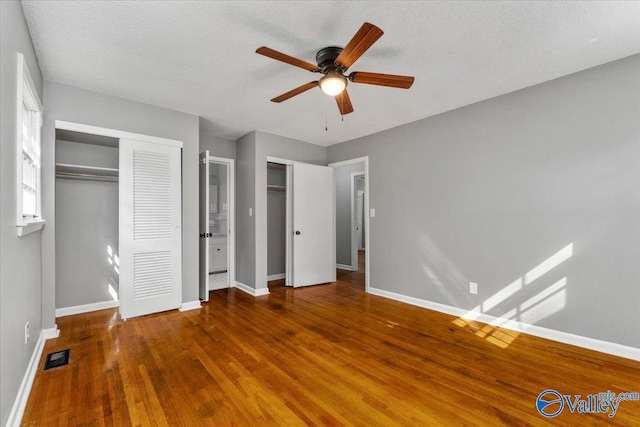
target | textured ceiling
[{"x": 198, "y": 57}]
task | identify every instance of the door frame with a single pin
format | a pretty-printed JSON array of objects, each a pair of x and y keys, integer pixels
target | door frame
[
  {"x": 367, "y": 222},
  {"x": 203, "y": 222},
  {"x": 231, "y": 220}
]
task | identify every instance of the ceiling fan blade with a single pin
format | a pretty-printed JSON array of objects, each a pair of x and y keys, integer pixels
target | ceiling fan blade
[
  {"x": 366, "y": 36},
  {"x": 344, "y": 103},
  {"x": 279, "y": 56},
  {"x": 294, "y": 92},
  {"x": 403, "y": 82}
]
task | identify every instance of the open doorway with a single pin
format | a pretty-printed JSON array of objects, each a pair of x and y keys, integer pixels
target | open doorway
[
  {"x": 217, "y": 240},
  {"x": 352, "y": 222}
]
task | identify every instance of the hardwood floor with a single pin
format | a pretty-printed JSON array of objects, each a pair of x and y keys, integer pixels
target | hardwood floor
[{"x": 323, "y": 355}]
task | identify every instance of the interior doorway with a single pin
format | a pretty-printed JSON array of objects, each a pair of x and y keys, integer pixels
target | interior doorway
[
  {"x": 217, "y": 237},
  {"x": 352, "y": 221},
  {"x": 360, "y": 220}
]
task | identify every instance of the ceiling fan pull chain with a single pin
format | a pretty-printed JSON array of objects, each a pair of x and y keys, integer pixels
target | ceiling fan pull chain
[{"x": 326, "y": 105}]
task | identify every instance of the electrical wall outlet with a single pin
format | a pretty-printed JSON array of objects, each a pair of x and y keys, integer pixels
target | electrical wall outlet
[
  {"x": 26, "y": 333},
  {"x": 473, "y": 288}
]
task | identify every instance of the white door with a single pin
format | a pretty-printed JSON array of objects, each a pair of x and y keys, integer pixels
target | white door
[
  {"x": 204, "y": 226},
  {"x": 150, "y": 228},
  {"x": 314, "y": 249}
]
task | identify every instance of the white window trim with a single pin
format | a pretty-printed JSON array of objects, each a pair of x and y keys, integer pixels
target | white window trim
[{"x": 25, "y": 226}]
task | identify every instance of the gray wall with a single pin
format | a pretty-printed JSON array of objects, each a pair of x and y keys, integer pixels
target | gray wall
[
  {"x": 251, "y": 192},
  {"x": 245, "y": 200},
  {"x": 20, "y": 257},
  {"x": 86, "y": 225},
  {"x": 91, "y": 108},
  {"x": 343, "y": 211},
  {"x": 492, "y": 190},
  {"x": 276, "y": 146},
  {"x": 219, "y": 147},
  {"x": 276, "y": 223}
]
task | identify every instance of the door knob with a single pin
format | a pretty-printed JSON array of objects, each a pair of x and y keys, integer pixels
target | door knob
[{"x": 297, "y": 233}]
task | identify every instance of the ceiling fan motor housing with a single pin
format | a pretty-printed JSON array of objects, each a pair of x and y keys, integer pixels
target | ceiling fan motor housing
[{"x": 326, "y": 59}]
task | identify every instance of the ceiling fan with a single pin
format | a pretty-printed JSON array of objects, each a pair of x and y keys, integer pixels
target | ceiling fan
[{"x": 333, "y": 62}]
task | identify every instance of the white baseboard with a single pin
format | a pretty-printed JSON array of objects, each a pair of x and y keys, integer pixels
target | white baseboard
[
  {"x": 50, "y": 333},
  {"x": 538, "y": 331},
  {"x": 191, "y": 305},
  {"x": 19, "y": 405},
  {"x": 86, "y": 308},
  {"x": 344, "y": 267},
  {"x": 253, "y": 292},
  {"x": 275, "y": 277}
]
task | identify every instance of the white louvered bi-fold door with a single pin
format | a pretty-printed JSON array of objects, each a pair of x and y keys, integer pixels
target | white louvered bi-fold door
[{"x": 150, "y": 228}]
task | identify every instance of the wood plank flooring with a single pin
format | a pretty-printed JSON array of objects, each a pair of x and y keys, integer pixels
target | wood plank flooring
[{"x": 324, "y": 355}]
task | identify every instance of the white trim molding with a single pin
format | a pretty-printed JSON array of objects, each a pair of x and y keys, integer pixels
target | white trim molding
[
  {"x": 276, "y": 276},
  {"x": 86, "y": 308},
  {"x": 17, "y": 411},
  {"x": 191, "y": 305},
  {"x": 253, "y": 292},
  {"x": 114, "y": 133},
  {"x": 344, "y": 267},
  {"x": 538, "y": 331},
  {"x": 50, "y": 333},
  {"x": 30, "y": 227}
]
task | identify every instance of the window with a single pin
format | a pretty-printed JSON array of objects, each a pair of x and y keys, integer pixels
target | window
[{"x": 29, "y": 129}]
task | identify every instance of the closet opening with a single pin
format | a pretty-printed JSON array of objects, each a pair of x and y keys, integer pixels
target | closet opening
[
  {"x": 300, "y": 224},
  {"x": 117, "y": 222},
  {"x": 86, "y": 221},
  {"x": 277, "y": 224}
]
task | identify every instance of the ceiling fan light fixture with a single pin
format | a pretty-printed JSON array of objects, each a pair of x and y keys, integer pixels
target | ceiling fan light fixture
[{"x": 333, "y": 83}]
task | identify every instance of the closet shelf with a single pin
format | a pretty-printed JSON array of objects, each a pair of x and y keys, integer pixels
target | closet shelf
[
  {"x": 86, "y": 172},
  {"x": 279, "y": 188}
]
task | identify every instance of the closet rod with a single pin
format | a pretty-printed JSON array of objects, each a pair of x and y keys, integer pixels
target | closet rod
[
  {"x": 94, "y": 173},
  {"x": 86, "y": 176}
]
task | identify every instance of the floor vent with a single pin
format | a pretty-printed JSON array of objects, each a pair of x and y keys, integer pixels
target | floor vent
[{"x": 56, "y": 359}]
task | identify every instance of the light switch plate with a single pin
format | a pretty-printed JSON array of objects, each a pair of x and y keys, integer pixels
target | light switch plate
[
  {"x": 372, "y": 213},
  {"x": 250, "y": 211}
]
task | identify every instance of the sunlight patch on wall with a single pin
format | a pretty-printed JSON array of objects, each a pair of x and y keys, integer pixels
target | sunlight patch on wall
[
  {"x": 545, "y": 303},
  {"x": 542, "y": 305},
  {"x": 113, "y": 293},
  {"x": 550, "y": 263}
]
